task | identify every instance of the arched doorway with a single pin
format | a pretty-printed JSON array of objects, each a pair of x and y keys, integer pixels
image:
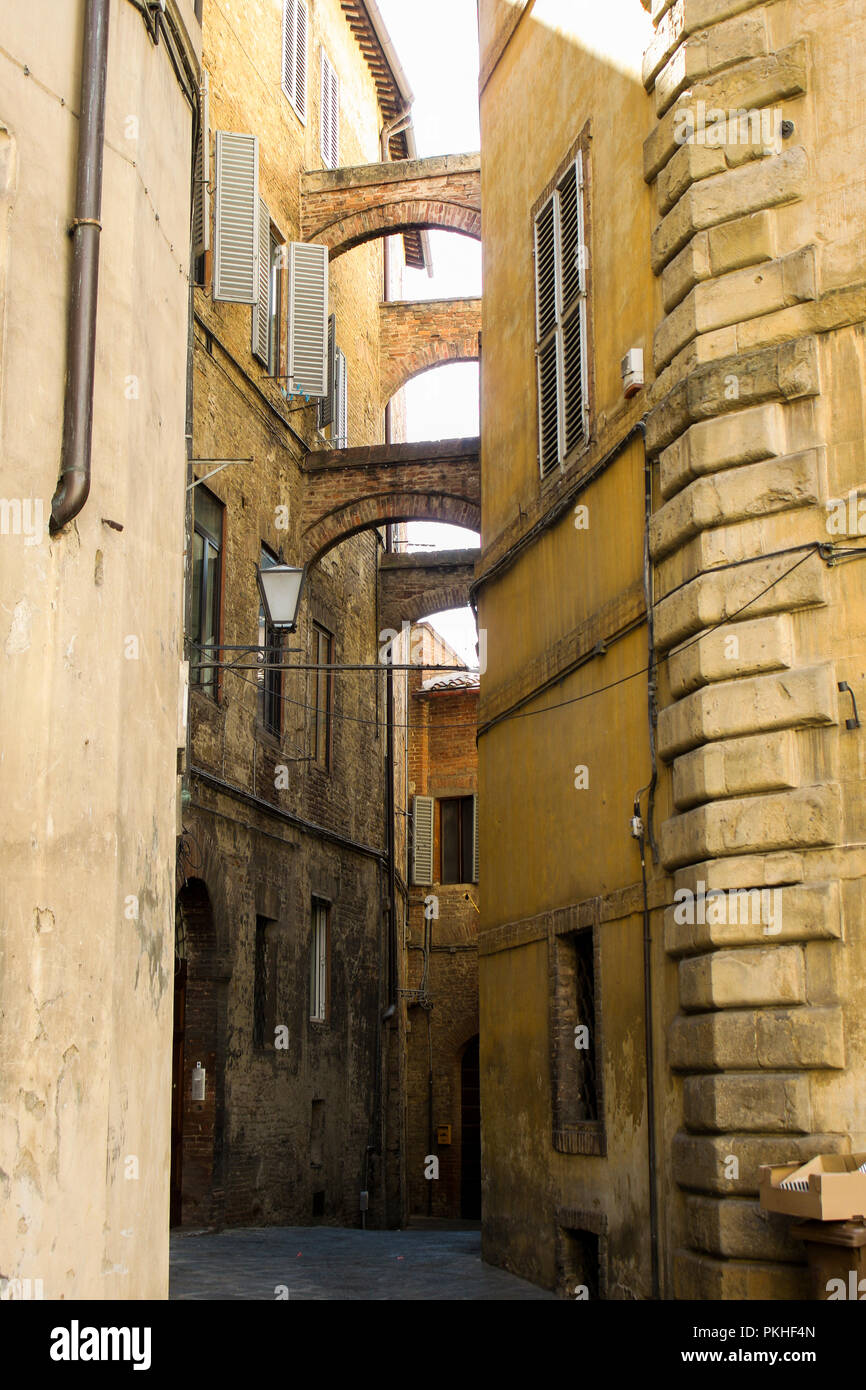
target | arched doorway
[
  {"x": 470, "y": 1129},
  {"x": 197, "y": 1107}
]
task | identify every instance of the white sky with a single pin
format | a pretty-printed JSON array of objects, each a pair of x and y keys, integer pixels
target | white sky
[{"x": 443, "y": 403}]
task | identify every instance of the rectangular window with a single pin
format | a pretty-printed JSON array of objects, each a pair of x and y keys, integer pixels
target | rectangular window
[
  {"x": 264, "y": 984},
  {"x": 267, "y": 309},
  {"x": 575, "y": 1025},
  {"x": 206, "y": 591},
  {"x": 323, "y": 656},
  {"x": 329, "y": 122},
  {"x": 319, "y": 962},
  {"x": 561, "y": 334},
  {"x": 457, "y": 839},
  {"x": 295, "y": 54},
  {"x": 201, "y": 190},
  {"x": 270, "y": 681}
]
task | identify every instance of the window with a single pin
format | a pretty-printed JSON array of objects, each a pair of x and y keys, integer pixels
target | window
[
  {"x": 457, "y": 839},
  {"x": 295, "y": 54},
  {"x": 201, "y": 189},
  {"x": 329, "y": 122},
  {"x": 319, "y": 962},
  {"x": 307, "y": 368},
  {"x": 267, "y": 309},
  {"x": 334, "y": 407},
  {"x": 270, "y": 681},
  {"x": 578, "y": 1111},
  {"x": 206, "y": 590},
  {"x": 422, "y": 840},
  {"x": 264, "y": 984},
  {"x": 561, "y": 336},
  {"x": 237, "y": 219},
  {"x": 323, "y": 656}
]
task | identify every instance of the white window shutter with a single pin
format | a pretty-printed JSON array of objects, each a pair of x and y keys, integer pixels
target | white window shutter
[
  {"x": 329, "y": 122},
  {"x": 236, "y": 218},
  {"x": 301, "y": 58},
  {"x": 341, "y": 401},
  {"x": 261, "y": 308},
  {"x": 422, "y": 840},
  {"x": 201, "y": 192},
  {"x": 308, "y": 318},
  {"x": 475, "y": 839}
]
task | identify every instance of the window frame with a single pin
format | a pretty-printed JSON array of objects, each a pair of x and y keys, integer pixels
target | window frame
[
  {"x": 579, "y": 307},
  {"x": 197, "y": 657},
  {"x": 572, "y": 1133},
  {"x": 269, "y": 637},
  {"x": 321, "y": 756},
  {"x": 465, "y": 837},
  {"x": 320, "y": 961}
]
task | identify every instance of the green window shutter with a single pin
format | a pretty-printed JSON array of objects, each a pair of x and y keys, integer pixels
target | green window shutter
[
  {"x": 236, "y": 218},
  {"x": 308, "y": 319},
  {"x": 422, "y": 840}
]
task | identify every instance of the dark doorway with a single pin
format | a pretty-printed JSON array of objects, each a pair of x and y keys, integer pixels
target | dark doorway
[
  {"x": 177, "y": 1092},
  {"x": 470, "y": 1147}
]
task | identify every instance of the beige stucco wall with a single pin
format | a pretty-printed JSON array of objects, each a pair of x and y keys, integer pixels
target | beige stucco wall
[{"x": 89, "y": 728}]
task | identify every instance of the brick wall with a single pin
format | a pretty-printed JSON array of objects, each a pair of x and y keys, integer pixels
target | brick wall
[
  {"x": 442, "y": 762},
  {"x": 417, "y": 336}
]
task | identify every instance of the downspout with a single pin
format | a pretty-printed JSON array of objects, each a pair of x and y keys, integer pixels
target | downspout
[
  {"x": 73, "y": 484},
  {"x": 641, "y": 832}
]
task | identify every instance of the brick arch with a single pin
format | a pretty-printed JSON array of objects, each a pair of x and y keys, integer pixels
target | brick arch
[
  {"x": 440, "y": 354},
  {"x": 381, "y": 508},
  {"x": 390, "y": 219}
]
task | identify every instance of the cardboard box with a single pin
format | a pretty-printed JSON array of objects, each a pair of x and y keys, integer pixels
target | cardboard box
[{"x": 827, "y": 1188}]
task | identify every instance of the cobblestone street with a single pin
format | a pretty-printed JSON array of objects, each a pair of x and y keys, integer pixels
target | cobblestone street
[{"x": 325, "y": 1263}]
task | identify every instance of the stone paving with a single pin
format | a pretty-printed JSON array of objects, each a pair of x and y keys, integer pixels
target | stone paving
[{"x": 323, "y": 1262}]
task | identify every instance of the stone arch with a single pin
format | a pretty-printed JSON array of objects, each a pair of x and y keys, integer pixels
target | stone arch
[
  {"x": 391, "y": 219},
  {"x": 380, "y": 508}
]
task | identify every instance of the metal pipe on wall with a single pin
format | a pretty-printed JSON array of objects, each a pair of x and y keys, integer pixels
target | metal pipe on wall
[{"x": 73, "y": 484}]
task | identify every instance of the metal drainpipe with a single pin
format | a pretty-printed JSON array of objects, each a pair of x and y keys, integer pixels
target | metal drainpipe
[
  {"x": 641, "y": 833},
  {"x": 73, "y": 484}
]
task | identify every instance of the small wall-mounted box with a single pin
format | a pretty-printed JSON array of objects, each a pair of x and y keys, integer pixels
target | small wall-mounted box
[
  {"x": 443, "y": 1134},
  {"x": 632, "y": 372}
]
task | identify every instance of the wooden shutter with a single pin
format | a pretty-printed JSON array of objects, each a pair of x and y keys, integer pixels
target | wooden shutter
[
  {"x": 327, "y": 412},
  {"x": 308, "y": 319},
  {"x": 561, "y": 338},
  {"x": 573, "y": 280},
  {"x": 341, "y": 401},
  {"x": 330, "y": 115},
  {"x": 236, "y": 218},
  {"x": 475, "y": 839},
  {"x": 262, "y": 307},
  {"x": 422, "y": 839},
  {"x": 547, "y": 337},
  {"x": 201, "y": 191}
]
